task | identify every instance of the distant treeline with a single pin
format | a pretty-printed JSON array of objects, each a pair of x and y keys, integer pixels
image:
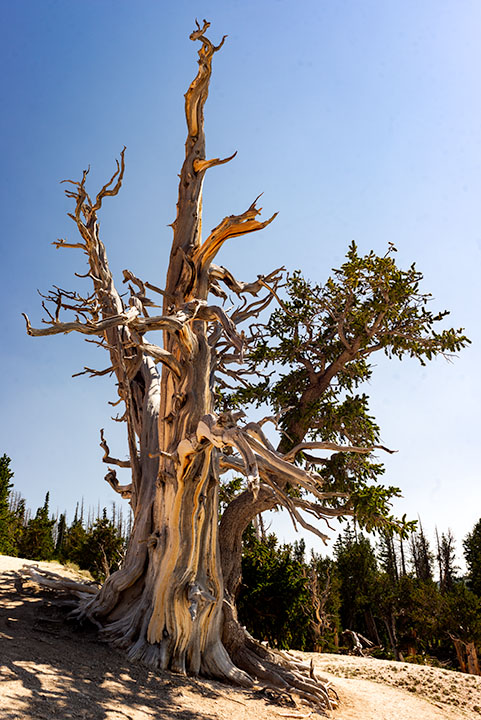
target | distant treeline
[
  {"x": 398, "y": 598},
  {"x": 92, "y": 541}
]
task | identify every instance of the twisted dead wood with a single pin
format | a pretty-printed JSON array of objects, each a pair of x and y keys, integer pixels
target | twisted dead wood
[{"x": 171, "y": 604}]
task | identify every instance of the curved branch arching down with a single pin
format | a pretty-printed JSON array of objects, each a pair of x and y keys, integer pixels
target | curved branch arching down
[
  {"x": 260, "y": 460},
  {"x": 277, "y": 471},
  {"x": 276, "y": 480}
]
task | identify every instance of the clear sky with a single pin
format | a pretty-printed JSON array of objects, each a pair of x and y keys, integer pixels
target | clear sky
[{"x": 358, "y": 120}]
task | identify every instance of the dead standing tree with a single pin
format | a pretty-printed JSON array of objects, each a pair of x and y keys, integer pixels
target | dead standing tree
[{"x": 172, "y": 603}]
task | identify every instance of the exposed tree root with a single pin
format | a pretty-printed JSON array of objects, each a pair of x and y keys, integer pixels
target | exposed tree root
[
  {"x": 240, "y": 660},
  {"x": 277, "y": 671},
  {"x": 274, "y": 668}
]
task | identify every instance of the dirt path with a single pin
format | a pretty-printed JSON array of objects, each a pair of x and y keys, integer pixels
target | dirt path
[
  {"x": 48, "y": 670},
  {"x": 386, "y": 690}
]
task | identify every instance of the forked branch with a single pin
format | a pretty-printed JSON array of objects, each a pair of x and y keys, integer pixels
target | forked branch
[{"x": 108, "y": 190}]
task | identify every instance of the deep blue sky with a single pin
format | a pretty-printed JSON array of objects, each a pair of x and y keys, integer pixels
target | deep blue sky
[{"x": 358, "y": 120}]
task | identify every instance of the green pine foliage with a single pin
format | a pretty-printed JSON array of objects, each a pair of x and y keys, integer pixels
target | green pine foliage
[
  {"x": 16, "y": 526},
  {"x": 422, "y": 557},
  {"x": 73, "y": 544},
  {"x": 61, "y": 535},
  {"x": 36, "y": 542},
  {"x": 98, "y": 547},
  {"x": 274, "y": 600},
  {"x": 316, "y": 353},
  {"x": 461, "y": 614},
  {"x": 356, "y": 567},
  {"x": 472, "y": 553},
  {"x": 446, "y": 557},
  {"x": 407, "y": 614},
  {"x": 103, "y": 549},
  {"x": 7, "y": 519}
]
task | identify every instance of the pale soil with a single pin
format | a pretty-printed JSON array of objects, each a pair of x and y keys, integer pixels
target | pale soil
[
  {"x": 386, "y": 690},
  {"x": 49, "y": 670}
]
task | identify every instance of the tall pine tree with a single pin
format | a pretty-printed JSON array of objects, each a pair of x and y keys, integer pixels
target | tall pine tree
[
  {"x": 7, "y": 540},
  {"x": 37, "y": 539},
  {"x": 472, "y": 553}
]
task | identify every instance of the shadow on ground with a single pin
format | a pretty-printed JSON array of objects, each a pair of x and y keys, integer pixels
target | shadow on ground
[{"x": 50, "y": 670}]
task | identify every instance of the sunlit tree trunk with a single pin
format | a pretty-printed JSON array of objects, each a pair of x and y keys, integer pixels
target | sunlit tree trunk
[{"x": 172, "y": 604}]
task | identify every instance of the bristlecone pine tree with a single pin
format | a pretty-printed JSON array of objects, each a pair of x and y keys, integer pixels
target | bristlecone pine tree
[{"x": 172, "y": 604}]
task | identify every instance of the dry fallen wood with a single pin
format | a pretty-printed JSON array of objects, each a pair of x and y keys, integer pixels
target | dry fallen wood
[{"x": 54, "y": 581}]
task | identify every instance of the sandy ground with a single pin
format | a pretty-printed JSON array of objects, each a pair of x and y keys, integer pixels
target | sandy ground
[
  {"x": 49, "y": 670},
  {"x": 386, "y": 690}
]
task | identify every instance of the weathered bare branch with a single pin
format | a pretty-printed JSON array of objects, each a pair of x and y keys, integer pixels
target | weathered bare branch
[
  {"x": 232, "y": 226},
  {"x": 107, "y": 190},
  {"x": 129, "y": 276},
  {"x": 87, "y": 328},
  {"x": 253, "y": 310},
  {"x": 61, "y": 243},
  {"x": 213, "y": 313},
  {"x": 290, "y": 506},
  {"x": 254, "y": 430},
  {"x": 163, "y": 356},
  {"x": 124, "y": 490},
  {"x": 95, "y": 373},
  {"x": 107, "y": 457},
  {"x": 220, "y": 273},
  {"x": 292, "y": 473},
  {"x": 48, "y": 579},
  {"x": 121, "y": 418},
  {"x": 203, "y": 165},
  {"x": 290, "y": 456},
  {"x": 275, "y": 419}
]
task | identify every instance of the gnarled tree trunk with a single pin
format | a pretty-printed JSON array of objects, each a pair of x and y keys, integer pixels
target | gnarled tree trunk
[
  {"x": 172, "y": 603},
  {"x": 165, "y": 605}
]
